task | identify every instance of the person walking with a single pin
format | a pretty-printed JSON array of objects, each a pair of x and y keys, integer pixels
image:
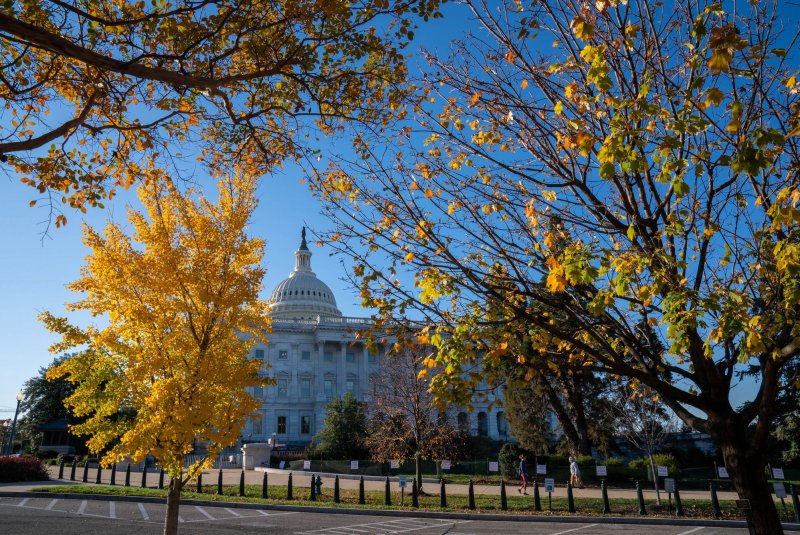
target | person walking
[
  {"x": 575, "y": 473},
  {"x": 523, "y": 475}
]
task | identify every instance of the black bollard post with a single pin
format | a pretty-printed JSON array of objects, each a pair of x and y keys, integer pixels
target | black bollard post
[
  {"x": 387, "y": 495},
  {"x": 86, "y": 471},
  {"x": 604, "y": 492},
  {"x": 678, "y": 503},
  {"x": 319, "y": 485},
  {"x": 471, "y": 503},
  {"x": 442, "y": 495},
  {"x": 161, "y": 479},
  {"x": 313, "y": 495},
  {"x": 144, "y": 476},
  {"x": 72, "y": 470},
  {"x": 361, "y": 499},
  {"x": 503, "y": 497},
  {"x": 241, "y": 484},
  {"x": 113, "y": 474},
  {"x": 61, "y": 469},
  {"x": 715, "y": 510},
  {"x": 264, "y": 487},
  {"x": 289, "y": 487},
  {"x": 537, "y": 500},
  {"x": 336, "y": 490},
  {"x": 570, "y": 499},
  {"x": 640, "y": 498},
  {"x": 199, "y": 483},
  {"x": 99, "y": 477},
  {"x": 795, "y": 503},
  {"x": 219, "y": 482},
  {"x": 128, "y": 475},
  {"x": 414, "y": 494}
]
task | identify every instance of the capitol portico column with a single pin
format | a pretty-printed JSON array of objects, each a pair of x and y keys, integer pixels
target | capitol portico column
[{"x": 341, "y": 376}]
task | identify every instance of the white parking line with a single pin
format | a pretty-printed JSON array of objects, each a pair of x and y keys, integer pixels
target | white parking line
[
  {"x": 112, "y": 509},
  {"x": 574, "y": 529},
  {"x": 390, "y": 526},
  {"x": 232, "y": 512},
  {"x": 51, "y": 505},
  {"x": 23, "y": 502},
  {"x": 142, "y": 510},
  {"x": 180, "y": 519},
  {"x": 204, "y": 512},
  {"x": 262, "y": 512},
  {"x": 695, "y": 530},
  {"x": 82, "y": 507}
]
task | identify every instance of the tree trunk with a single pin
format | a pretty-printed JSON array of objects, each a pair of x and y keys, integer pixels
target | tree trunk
[
  {"x": 173, "y": 501},
  {"x": 655, "y": 477},
  {"x": 746, "y": 469},
  {"x": 418, "y": 472}
]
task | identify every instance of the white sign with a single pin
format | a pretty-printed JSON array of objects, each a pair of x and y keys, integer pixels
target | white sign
[
  {"x": 541, "y": 468},
  {"x": 494, "y": 466},
  {"x": 394, "y": 463},
  {"x": 282, "y": 465},
  {"x": 353, "y": 465},
  {"x": 669, "y": 485},
  {"x": 723, "y": 472},
  {"x": 662, "y": 471},
  {"x": 401, "y": 480},
  {"x": 780, "y": 490},
  {"x": 549, "y": 485},
  {"x": 777, "y": 473},
  {"x": 445, "y": 465},
  {"x": 306, "y": 465},
  {"x": 602, "y": 471}
]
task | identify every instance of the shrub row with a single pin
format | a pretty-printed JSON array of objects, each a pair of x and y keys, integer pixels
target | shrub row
[{"x": 27, "y": 468}]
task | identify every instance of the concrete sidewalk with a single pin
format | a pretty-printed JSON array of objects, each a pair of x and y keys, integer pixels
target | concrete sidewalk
[{"x": 230, "y": 477}]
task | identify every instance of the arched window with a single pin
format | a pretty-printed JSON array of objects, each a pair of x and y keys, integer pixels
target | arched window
[
  {"x": 483, "y": 424},
  {"x": 502, "y": 426},
  {"x": 463, "y": 422}
]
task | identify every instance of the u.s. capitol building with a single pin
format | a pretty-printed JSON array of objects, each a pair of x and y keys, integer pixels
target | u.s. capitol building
[{"x": 314, "y": 356}]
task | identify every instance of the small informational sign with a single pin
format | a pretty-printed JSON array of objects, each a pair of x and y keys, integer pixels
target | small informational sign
[
  {"x": 306, "y": 465},
  {"x": 743, "y": 505},
  {"x": 394, "y": 464},
  {"x": 780, "y": 489},
  {"x": 669, "y": 485},
  {"x": 445, "y": 465},
  {"x": 602, "y": 471},
  {"x": 777, "y": 473},
  {"x": 723, "y": 472},
  {"x": 353, "y": 465},
  {"x": 541, "y": 469},
  {"x": 494, "y": 466},
  {"x": 662, "y": 471},
  {"x": 401, "y": 481},
  {"x": 282, "y": 465},
  {"x": 549, "y": 485}
]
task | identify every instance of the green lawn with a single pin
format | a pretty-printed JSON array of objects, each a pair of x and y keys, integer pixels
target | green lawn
[{"x": 456, "y": 503}]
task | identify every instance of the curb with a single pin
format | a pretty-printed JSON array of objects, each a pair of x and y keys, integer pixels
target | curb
[{"x": 659, "y": 521}]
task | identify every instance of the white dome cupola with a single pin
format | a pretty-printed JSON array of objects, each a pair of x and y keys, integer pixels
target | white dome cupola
[{"x": 302, "y": 296}]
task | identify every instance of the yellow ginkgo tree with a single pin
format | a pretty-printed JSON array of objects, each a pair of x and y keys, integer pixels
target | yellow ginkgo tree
[{"x": 180, "y": 309}]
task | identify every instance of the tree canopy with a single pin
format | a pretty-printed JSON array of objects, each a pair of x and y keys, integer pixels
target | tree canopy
[
  {"x": 94, "y": 92},
  {"x": 620, "y": 178},
  {"x": 344, "y": 431},
  {"x": 180, "y": 296}
]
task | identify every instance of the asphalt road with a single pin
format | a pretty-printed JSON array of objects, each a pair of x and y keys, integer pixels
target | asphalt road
[{"x": 45, "y": 516}]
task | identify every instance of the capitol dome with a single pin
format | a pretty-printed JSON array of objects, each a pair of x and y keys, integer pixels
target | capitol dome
[{"x": 302, "y": 296}]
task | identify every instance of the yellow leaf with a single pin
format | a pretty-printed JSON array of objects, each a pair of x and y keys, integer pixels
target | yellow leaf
[
  {"x": 524, "y": 84},
  {"x": 558, "y": 108}
]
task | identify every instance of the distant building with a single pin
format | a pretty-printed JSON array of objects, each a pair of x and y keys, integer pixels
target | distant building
[{"x": 314, "y": 356}]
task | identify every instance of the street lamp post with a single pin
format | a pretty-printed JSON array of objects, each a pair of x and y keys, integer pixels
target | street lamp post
[{"x": 10, "y": 447}]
